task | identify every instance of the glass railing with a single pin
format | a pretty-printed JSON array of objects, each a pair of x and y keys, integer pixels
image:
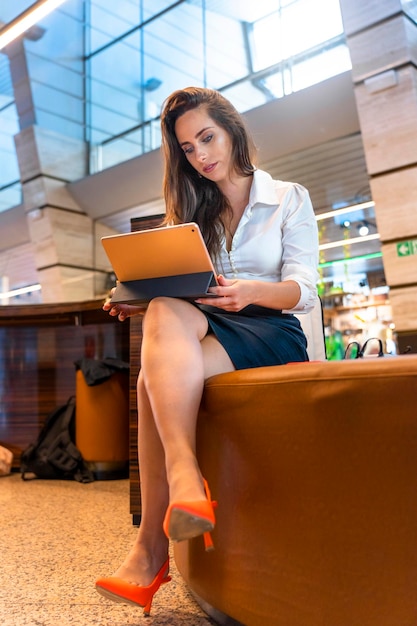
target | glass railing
[
  {"x": 246, "y": 93},
  {"x": 266, "y": 52},
  {"x": 132, "y": 143},
  {"x": 10, "y": 195}
]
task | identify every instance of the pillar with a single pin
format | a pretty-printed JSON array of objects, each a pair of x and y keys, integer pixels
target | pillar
[
  {"x": 63, "y": 236},
  {"x": 382, "y": 40}
]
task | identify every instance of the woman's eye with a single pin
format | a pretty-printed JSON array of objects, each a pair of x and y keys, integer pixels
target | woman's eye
[
  {"x": 188, "y": 150},
  {"x": 208, "y": 138}
]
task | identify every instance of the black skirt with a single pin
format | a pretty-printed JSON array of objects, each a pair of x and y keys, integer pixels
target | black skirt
[{"x": 257, "y": 336}]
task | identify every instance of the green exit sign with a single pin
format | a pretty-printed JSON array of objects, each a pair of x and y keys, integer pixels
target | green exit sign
[{"x": 406, "y": 248}]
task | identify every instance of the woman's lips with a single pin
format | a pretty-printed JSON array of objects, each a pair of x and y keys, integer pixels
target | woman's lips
[{"x": 209, "y": 168}]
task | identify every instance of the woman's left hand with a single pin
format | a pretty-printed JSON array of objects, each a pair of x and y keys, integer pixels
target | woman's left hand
[{"x": 234, "y": 294}]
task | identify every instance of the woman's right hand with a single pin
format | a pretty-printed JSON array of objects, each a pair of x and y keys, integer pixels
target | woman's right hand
[{"x": 122, "y": 311}]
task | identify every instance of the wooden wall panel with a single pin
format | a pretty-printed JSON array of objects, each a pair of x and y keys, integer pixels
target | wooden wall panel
[
  {"x": 388, "y": 121},
  {"x": 395, "y": 197},
  {"x": 38, "y": 347},
  {"x": 135, "y": 350},
  {"x": 404, "y": 307},
  {"x": 382, "y": 40},
  {"x": 141, "y": 223},
  {"x": 384, "y": 46},
  {"x": 400, "y": 262}
]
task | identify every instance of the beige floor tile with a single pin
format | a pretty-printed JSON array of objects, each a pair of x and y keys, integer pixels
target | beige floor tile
[{"x": 56, "y": 538}]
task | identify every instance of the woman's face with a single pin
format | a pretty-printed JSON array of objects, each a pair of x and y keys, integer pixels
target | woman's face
[{"x": 207, "y": 146}]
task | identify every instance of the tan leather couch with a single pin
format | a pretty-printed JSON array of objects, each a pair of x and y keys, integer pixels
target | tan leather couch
[{"x": 314, "y": 466}]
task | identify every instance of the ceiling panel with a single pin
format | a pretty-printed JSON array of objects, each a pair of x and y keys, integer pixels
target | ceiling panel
[{"x": 334, "y": 172}]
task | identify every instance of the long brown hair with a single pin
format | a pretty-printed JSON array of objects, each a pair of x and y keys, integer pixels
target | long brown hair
[{"x": 189, "y": 197}]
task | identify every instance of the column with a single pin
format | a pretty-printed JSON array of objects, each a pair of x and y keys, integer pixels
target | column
[
  {"x": 382, "y": 40},
  {"x": 64, "y": 237}
]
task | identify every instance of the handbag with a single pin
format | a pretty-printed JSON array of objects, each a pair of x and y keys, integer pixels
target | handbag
[{"x": 372, "y": 348}]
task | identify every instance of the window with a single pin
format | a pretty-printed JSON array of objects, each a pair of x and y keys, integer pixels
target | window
[
  {"x": 10, "y": 187},
  {"x": 252, "y": 52}
]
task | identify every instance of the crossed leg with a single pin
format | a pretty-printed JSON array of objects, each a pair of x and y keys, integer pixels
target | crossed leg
[{"x": 177, "y": 357}]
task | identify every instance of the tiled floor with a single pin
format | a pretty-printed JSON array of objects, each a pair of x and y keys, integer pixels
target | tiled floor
[{"x": 56, "y": 538}]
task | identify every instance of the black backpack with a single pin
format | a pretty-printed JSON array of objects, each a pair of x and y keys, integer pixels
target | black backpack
[{"x": 54, "y": 454}]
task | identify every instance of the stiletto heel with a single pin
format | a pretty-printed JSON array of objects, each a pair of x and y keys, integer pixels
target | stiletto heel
[
  {"x": 208, "y": 542},
  {"x": 184, "y": 520},
  {"x": 120, "y": 590}
]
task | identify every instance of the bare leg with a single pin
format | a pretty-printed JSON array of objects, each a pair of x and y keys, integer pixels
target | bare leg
[
  {"x": 177, "y": 356},
  {"x": 176, "y": 359},
  {"x": 150, "y": 549}
]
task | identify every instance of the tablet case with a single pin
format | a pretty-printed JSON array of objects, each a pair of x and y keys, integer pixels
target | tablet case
[{"x": 184, "y": 286}]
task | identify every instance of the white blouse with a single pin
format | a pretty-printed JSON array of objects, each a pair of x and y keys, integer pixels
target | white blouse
[{"x": 276, "y": 239}]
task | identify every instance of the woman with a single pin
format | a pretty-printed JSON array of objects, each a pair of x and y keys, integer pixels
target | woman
[{"x": 262, "y": 236}]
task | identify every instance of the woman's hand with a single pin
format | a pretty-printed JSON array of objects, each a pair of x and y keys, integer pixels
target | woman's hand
[
  {"x": 234, "y": 294},
  {"x": 122, "y": 311}
]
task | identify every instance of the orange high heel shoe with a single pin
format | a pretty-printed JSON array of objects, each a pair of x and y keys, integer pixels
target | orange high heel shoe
[
  {"x": 120, "y": 590},
  {"x": 184, "y": 520}
]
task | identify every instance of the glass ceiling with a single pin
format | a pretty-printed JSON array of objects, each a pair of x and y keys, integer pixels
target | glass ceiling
[{"x": 138, "y": 51}]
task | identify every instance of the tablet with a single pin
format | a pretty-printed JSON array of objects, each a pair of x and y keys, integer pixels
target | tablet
[{"x": 168, "y": 261}]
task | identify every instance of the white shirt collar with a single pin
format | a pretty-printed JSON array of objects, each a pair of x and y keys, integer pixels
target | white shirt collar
[{"x": 262, "y": 190}]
